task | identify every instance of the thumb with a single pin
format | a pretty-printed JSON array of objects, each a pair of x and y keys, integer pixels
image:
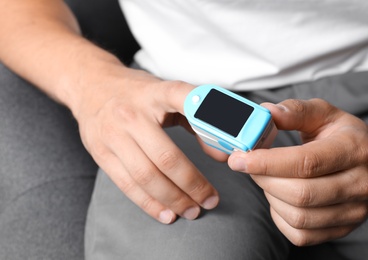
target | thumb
[{"x": 303, "y": 115}]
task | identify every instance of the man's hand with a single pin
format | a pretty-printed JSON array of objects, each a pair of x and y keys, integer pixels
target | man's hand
[
  {"x": 317, "y": 191},
  {"x": 121, "y": 126}
]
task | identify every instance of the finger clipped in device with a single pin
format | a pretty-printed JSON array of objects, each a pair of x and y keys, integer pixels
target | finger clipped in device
[{"x": 227, "y": 121}]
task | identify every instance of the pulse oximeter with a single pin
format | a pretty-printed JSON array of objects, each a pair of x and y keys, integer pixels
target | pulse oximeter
[{"x": 227, "y": 121}]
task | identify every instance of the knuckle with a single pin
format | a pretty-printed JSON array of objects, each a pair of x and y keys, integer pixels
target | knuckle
[
  {"x": 147, "y": 204},
  {"x": 321, "y": 102},
  {"x": 365, "y": 187},
  {"x": 170, "y": 88},
  {"x": 327, "y": 109},
  {"x": 125, "y": 186},
  {"x": 168, "y": 160},
  {"x": 123, "y": 111},
  {"x": 304, "y": 196},
  {"x": 362, "y": 186},
  {"x": 298, "y": 105},
  {"x": 364, "y": 215},
  {"x": 198, "y": 188},
  {"x": 99, "y": 151},
  {"x": 87, "y": 136},
  {"x": 178, "y": 202},
  {"x": 363, "y": 150},
  {"x": 362, "y": 212},
  {"x": 108, "y": 132},
  {"x": 176, "y": 84},
  {"x": 300, "y": 238},
  {"x": 143, "y": 175},
  {"x": 309, "y": 166},
  {"x": 298, "y": 219}
]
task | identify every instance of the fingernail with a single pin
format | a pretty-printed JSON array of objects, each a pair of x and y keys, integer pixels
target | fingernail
[
  {"x": 166, "y": 216},
  {"x": 211, "y": 202},
  {"x": 191, "y": 213},
  {"x": 281, "y": 107},
  {"x": 238, "y": 164}
]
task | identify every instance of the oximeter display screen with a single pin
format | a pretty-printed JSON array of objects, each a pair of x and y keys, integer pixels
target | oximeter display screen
[{"x": 224, "y": 112}]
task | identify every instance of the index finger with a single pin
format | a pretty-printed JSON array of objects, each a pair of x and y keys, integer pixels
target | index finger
[
  {"x": 307, "y": 116},
  {"x": 173, "y": 95}
]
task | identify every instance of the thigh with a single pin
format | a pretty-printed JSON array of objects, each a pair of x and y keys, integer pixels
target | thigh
[
  {"x": 46, "y": 176},
  {"x": 239, "y": 228}
]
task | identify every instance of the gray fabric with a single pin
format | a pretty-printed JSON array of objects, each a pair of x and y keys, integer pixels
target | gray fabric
[
  {"x": 241, "y": 227},
  {"x": 46, "y": 176},
  {"x": 119, "y": 230}
]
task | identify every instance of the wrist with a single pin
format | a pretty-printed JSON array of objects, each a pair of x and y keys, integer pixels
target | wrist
[{"x": 87, "y": 81}]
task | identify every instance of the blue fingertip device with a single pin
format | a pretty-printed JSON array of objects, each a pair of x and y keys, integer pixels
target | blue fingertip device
[{"x": 227, "y": 121}]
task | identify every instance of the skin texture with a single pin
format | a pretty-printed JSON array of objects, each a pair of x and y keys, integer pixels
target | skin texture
[
  {"x": 317, "y": 191},
  {"x": 121, "y": 113}
]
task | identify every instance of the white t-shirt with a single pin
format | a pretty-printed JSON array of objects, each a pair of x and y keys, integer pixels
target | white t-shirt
[{"x": 249, "y": 44}]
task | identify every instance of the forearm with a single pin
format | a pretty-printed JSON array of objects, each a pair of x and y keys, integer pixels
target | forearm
[{"x": 40, "y": 40}]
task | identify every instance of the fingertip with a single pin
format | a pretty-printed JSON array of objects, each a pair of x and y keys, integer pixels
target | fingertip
[
  {"x": 281, "y": 107},
  {"x": 192, "y": 213},
  {"x": 237, "y": 163},
  {"x": 274, "y": 108},
  {"x": 267, "y": 104},
  {"x": 283, "y": 115},
  {"x": 211, "y": 202},
  {"x": 167, "y": 216},
  {"x": 213, "y": 152}
]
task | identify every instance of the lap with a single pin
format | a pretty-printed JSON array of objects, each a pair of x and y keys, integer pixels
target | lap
[{"x": 117, "y": 228}]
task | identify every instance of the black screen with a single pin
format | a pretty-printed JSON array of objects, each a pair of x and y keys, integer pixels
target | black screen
[{"x": 224, "y": 112}]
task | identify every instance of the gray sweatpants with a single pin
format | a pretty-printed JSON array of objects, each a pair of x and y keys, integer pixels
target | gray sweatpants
[{"x": 47, "y": 178}]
